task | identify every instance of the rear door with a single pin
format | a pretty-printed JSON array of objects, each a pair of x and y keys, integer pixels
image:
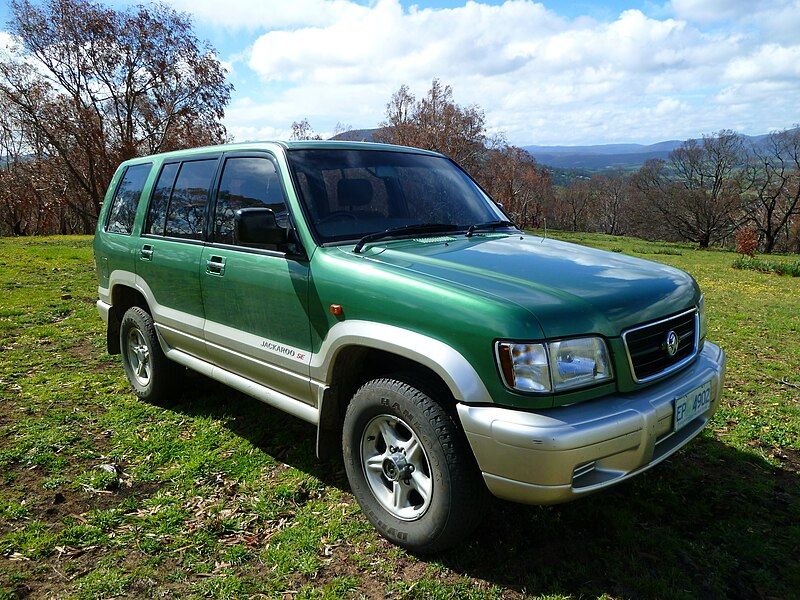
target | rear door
[
  {"x": 171, "y": 246},
  {"x": 255, "y": 298},
  {"x": 115, "y": 245}
]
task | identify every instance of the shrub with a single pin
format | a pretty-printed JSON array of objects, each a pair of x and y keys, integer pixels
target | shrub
[
  {"x": 768, "y": 266},
  {"x": 746, "y": 241}
]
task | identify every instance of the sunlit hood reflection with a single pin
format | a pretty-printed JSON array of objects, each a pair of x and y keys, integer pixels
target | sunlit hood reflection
[{"x": 571, "y": 289}]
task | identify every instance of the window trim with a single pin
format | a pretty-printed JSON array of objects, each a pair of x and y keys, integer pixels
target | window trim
[
  {"x": 114, "y": 198},
  {"x": 180, "y": 160},
  {"x": 263, "y": 154}
]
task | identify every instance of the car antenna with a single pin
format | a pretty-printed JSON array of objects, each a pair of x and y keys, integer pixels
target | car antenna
[{"x": 545, "y": 231}]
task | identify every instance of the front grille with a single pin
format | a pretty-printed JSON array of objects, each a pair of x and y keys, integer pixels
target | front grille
[{"x": 647, "y": 346}]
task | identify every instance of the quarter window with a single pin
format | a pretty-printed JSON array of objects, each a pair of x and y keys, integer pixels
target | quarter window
[
  {"x": 157, "y": 213},
  {"x": 247, "y": 182},
  {"x": 187, "y": 205},
  {"x": 126, "y": 199}
]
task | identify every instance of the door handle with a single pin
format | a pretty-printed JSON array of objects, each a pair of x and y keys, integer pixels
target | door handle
[
  {"x": 215, "y": 265},
  {"x": 146, "y": 253}
]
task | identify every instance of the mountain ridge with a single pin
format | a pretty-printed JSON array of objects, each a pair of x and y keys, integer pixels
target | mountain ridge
[{"x": 596, "y": 157}]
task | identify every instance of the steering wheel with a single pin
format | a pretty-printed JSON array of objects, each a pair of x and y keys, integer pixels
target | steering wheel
[{"x": 337, "y": 215}]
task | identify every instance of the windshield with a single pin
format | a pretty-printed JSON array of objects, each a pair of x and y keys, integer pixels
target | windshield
[{"x": 351, "y": 193}]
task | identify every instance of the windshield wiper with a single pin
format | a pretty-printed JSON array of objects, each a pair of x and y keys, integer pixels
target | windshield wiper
[
  {"x": 490, "y": 225},
  {"x": 405, "y": 230}
]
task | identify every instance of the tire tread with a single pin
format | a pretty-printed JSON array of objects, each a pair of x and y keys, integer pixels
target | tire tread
[{"x": 465, "y": 511}]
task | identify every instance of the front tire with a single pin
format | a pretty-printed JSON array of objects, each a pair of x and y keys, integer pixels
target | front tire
[
  {"x": 410, "y": 466},
  {"x": 151, "y": 374}
]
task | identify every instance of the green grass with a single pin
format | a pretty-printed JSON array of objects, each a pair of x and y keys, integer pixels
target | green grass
[{"x": 220, "y": 496}]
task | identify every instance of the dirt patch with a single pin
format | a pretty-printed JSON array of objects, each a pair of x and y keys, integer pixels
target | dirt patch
[
  {"x": 94, "y": 358},
  {"x": 789, "y": 458},
  {"x": 52, "y": 577}
]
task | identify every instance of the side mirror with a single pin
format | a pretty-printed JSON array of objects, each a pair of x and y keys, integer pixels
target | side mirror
[{"x": 257, "y": 227}]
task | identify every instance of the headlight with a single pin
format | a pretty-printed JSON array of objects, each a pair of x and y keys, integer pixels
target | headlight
[
  {"x": 554, "y": 366},
  {"x": 578, "y": 362},
  {"x": 701, "y": 316}
]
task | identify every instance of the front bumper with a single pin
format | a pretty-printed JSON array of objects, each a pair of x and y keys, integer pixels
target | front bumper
[{"x": 558, "y": 454}]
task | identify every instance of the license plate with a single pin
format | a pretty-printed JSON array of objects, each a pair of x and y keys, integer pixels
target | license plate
[{"x": 694, "y": 403}]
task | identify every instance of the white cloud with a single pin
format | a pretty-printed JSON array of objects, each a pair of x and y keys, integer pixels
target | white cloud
[
  {"x": 768, "y": 62},
  {"x": 267, "y": 14},
  {"x": 541, "y": 78},
  {"x": 6, "y": 41},
  {"x": 709, "y": 11}
]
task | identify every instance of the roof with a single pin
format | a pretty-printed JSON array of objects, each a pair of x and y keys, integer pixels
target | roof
[{"x": 287, "y": 145}]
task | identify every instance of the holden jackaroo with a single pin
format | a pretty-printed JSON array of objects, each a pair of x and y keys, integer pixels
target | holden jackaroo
[{"x": 378, "y": 293}]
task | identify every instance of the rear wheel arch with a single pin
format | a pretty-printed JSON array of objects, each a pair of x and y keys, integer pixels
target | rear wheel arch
[{"x": 123, "y": 297}]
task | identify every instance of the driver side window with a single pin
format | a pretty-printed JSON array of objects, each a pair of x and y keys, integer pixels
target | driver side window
[{"x": 247, "y": 182}]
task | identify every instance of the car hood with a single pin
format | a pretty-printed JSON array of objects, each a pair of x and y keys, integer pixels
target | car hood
[{"x": 570, "y": 289}]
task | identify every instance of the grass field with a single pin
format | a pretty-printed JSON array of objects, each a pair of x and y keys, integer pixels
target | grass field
[{"x": 216, "y": 495}]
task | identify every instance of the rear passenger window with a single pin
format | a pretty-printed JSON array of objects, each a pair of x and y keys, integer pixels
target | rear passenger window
[
  {"x": 247, "y": 182},
  {"x": 122, "y": 213},
  {"x": 187, "y": 205},
  {"x": 157, "y": 213}
]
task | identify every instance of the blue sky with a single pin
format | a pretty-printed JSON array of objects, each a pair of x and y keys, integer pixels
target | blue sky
[{"x": 553, "y": 72}]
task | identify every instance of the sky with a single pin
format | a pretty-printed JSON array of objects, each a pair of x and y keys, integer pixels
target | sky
[{"x": 548, "y": 73}]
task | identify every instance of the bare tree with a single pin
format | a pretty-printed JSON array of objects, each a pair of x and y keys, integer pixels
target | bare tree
[
  {"x": 341, "y": 128},
  {"x": 696, "y": 195},
  {"x": 436, "y": 122},
  {"x": 609, "y": 203},
  {"x": 772, "y": 185},
  {"x": 706, "y": 197},
  {"x": 302, "y": 130},
  {"x": 95, "y": 86},
  {"x": 573, "y": 204}
]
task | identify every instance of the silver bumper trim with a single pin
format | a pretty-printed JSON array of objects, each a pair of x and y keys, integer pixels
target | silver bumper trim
[
  {"x": 102, "y": 309},
  {"x": 540, "y": 457}
]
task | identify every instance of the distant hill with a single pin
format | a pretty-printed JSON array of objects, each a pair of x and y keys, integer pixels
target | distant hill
[
  {"x": 596, "y": 162},
  {"x": 608, "y": 156},
  {"x": 605, "y": 149},
  {"x": 579, "y": 159},
  {"x": 357, "y": 135}
]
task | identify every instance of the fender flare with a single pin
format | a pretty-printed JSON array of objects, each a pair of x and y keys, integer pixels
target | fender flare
[{"x": 456, "y": 371}]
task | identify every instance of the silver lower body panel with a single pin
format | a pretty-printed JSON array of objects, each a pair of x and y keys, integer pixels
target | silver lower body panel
[{"x": 559, "y": 454}]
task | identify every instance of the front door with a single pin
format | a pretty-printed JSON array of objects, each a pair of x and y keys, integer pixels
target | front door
[
  {"x": 169, "y": 255},
  {"x": 255, "y": 298}
]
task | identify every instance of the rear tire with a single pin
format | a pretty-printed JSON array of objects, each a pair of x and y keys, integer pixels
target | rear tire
[
  {"x": 151, "y": 374},
  {"x": 436, "y": 502}
]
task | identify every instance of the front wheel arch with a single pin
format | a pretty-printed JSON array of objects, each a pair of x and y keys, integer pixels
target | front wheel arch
[{"x": 353, "y": 367}]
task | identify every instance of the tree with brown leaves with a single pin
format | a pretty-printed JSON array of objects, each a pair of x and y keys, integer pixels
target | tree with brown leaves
[
  {"x": 512, "y": 178},
  {"x": 435, "y": 122},
  {"x": 96, "y": 86}
]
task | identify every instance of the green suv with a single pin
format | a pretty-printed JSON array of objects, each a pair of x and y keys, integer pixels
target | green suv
[{"x": 378, "y": 293}]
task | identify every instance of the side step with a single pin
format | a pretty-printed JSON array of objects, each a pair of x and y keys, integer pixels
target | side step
[{"x": 269, "y": 396}]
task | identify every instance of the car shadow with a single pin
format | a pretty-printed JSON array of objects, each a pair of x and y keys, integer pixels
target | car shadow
[{"x": 711, "y": 521}]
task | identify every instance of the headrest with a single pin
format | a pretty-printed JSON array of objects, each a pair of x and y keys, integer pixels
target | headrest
[{"x": 354, "y": 192}]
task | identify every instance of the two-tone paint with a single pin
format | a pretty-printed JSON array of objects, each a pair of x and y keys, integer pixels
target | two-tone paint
[{"x": 260, "y": 320}]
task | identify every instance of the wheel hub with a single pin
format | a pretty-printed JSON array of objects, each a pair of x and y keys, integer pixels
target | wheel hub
[
  {"x": 397, "y": 468},
  {"x": 138, "y": 356}
]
